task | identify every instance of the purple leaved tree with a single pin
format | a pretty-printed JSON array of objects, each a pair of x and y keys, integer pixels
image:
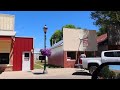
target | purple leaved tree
[{"x": 46, "y": 52}]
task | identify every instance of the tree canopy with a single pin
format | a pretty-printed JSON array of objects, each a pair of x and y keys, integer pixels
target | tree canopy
[
  {"x": 104, "y": 18},
  {"x": 56, "y": 37},
  {"x": 109, "y": 22},
  {"x": 107, "y": 73}
]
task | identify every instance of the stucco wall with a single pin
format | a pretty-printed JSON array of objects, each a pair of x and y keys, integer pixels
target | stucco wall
[{"x": 71, "y": 39}]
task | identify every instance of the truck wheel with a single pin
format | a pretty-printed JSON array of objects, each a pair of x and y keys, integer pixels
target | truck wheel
[{"x": 92, "y": 69}]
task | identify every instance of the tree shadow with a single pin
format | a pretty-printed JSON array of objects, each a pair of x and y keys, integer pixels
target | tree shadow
[{"x": 81, "y": 73}]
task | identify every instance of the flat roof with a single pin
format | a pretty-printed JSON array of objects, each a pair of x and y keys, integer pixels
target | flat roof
[
  {"x": 57, "y": 44},
  {"x": 7, "y": 15},
  {"x": 23, "y": 37}
]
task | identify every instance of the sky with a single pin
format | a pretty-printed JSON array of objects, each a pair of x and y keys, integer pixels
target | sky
[{"x": 31, "y": 23}]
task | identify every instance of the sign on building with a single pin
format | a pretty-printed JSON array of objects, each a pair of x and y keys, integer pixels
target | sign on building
[{"x": 85, "y": 42}]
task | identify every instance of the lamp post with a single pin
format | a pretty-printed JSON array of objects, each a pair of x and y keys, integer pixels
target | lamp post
[{"x": 45, "y": 31}]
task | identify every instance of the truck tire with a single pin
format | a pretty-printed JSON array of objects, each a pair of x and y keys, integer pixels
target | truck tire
[{"x": 92, "y": 69}]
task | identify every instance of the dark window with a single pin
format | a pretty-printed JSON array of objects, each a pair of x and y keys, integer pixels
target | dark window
[
  {"x": 4, "y": 58},
  {"x": 118, "y": 54},
  {"x": 41, "y": 57},
  {"x": 26, "y": 54},
  {"x": 109, "y": 54},
  {"x": 71, "y": 55}
]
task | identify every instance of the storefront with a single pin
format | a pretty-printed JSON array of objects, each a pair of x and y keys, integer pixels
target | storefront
[
  {"x": 66, "y": 52},
  {"x": 16, "y": 53}
]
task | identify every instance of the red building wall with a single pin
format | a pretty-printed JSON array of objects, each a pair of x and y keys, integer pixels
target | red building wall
[
  {"x": 20, "y": 45},
  {"x": 68, "y": 63},
  {"x": 60, "y": 59}
]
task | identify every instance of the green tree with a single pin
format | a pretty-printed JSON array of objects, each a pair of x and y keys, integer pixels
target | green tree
[
  {"x": 105, "y": 72},
  {"x": 118, "y": 76},
  {"x": 108, "y": 22},
  {"x": 56, "y": 37},
  {"x": 58, "y": 34},
  {"x": 69, "y": 26},
  {"x": 101, "y": 31}
]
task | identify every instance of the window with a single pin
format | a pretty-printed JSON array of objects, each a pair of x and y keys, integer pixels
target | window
[
  {"x": 4, "y": 58},
  {"x": 109, "y": 54},
  {"x": 118, "y": 54},
  {"x": 71, "y": 55},
  {"x": 26, "y": 54}
]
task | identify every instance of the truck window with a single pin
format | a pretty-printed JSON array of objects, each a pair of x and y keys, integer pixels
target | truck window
[
  {"x": 109, "y": 54},
  {"x": 118, "y": 54}
]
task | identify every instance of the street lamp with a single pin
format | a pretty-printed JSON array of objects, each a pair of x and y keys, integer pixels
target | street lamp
[{"x": 45, "y": 31}]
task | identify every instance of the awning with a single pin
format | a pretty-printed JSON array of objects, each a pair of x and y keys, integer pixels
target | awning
[
  {"x": 5, "y": 46},
  {"x": 7, "y": 33}
]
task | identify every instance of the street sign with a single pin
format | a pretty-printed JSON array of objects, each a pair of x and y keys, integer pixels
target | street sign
[{"x": 42, "y": 57}]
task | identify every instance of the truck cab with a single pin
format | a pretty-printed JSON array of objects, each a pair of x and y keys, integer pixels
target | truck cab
[
  {"x": 106, "y": 56},
  {"x": 110, "y": 56}
]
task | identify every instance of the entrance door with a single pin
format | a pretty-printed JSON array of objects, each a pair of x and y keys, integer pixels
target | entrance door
[{"x": 26, "y": 61}]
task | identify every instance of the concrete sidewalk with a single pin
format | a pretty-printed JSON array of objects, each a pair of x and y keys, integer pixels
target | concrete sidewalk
[{"x": 53, "y": 73}]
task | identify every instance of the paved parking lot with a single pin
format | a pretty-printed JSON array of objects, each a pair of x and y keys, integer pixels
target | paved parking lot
[{"x": 53, "y": 73}]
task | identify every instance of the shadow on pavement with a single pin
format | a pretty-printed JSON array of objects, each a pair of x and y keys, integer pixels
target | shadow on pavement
[
  {"x": 81, "y": 73},
  {"x": 37, "y": 73}
]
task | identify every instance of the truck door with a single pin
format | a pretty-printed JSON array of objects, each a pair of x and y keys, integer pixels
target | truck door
[
  {"x": 118, "y": 56},
  {"x": 109, "y": 57}
]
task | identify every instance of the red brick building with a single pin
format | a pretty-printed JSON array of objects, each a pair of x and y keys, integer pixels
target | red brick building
[{"x": 65, "y": 52}]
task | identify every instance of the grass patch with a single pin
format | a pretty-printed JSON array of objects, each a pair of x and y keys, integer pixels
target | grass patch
[{"x": 39, "y": 65}]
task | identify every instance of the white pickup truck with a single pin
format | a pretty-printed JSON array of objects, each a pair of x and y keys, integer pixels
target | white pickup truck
[{"x": 106, "y": 56}]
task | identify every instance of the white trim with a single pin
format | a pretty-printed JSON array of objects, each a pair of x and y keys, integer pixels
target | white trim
[
  {"x": 71, "y": 60},
  {"x": 7, "y": 33},
  {"x": 23, "y": 60},
  {"x": 8, "y": 15}
]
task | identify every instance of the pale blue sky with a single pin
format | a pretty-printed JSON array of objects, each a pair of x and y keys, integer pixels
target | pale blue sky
[{"x": 30, "y": 23}]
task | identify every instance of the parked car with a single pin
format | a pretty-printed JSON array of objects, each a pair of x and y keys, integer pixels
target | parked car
[{"x": 106, "y": 56}]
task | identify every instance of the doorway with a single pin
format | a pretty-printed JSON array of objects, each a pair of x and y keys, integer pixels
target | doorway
[{"x": 26, "y": 57}]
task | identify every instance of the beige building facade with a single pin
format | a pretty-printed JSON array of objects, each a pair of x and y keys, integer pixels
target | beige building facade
[{"x": 66, "y": 52}]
